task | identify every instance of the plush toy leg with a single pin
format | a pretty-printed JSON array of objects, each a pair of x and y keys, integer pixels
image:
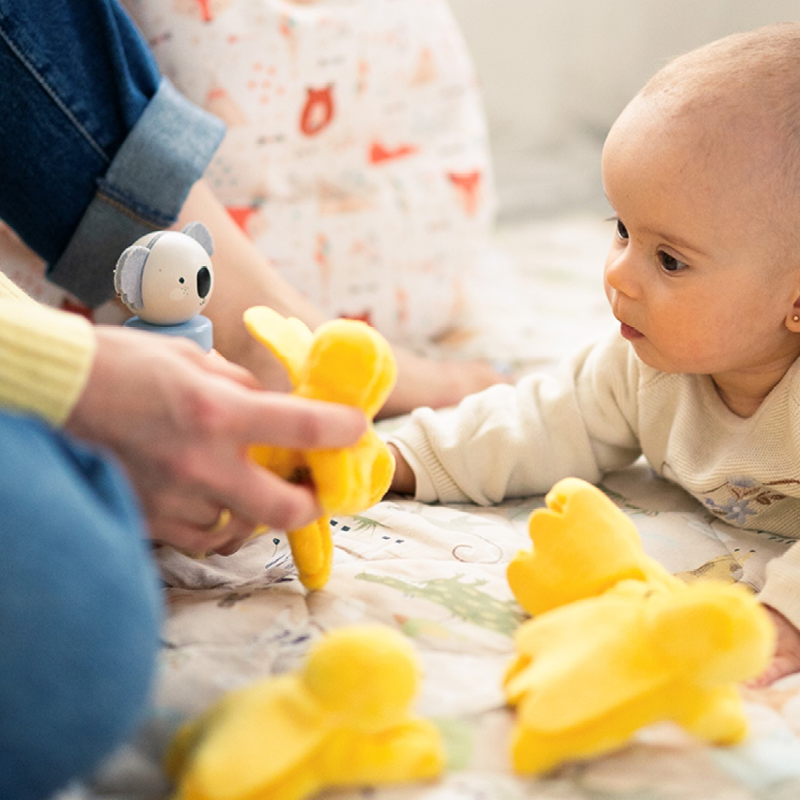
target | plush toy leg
[
  {"x": 408, "y": 752},
  {"x": 715, "y": 715},
  {"x": 534, "y": 751},
  {"x": 312, "y": 551},
  {"x": 294, "y": 784}
]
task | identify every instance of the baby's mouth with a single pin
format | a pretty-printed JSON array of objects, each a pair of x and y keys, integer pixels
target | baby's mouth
[{"x": 629, "y": 332}]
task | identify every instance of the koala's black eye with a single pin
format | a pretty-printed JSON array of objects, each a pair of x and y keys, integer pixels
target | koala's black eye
[
  {"x": 203, "y": 281},
  {"x": 181, "y": 280}
]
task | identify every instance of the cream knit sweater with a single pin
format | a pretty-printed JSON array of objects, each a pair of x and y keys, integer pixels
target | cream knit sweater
[
  {"x": 600, "y": 412},
  {"x": 45, "y": 355}
]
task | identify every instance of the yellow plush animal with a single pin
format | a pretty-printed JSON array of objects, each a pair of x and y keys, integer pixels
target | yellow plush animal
[
  {"x": 582, "y": 545},
  {"x": 344, "y": 361},
  {"x": 343, "y": 720},
  {"x": 618, "y": 643}
]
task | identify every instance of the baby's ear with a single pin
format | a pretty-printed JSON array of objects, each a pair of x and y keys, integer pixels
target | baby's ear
[
  {"x": 201, "y": 234},
  {"x": 793, "y": 317},
  {"x": 128, "y": 276}
]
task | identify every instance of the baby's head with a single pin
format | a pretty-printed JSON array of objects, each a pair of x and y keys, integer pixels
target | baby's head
[{"x": 703, "y": 169}]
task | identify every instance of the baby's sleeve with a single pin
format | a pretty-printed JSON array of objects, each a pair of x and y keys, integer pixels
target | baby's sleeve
[
  {"x": 511, "y": 441},
  {"x": 782, "y": 586}
]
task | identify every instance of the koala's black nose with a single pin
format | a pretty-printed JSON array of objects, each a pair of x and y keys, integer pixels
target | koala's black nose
[{"x": 203, "y": 281}]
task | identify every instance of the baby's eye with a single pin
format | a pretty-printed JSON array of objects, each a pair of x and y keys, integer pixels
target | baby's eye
[
  {"x": 622, "y": 231},
  {"x": 670, "y": 263}
]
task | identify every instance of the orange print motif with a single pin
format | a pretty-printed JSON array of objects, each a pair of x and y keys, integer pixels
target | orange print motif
[
  {"x": 208, "y": 9},
  {"x": 318, "y": 110},
  {"x": 378, "y": 153},
  {"x": 241, "y": 215},
  {"x": 467, "y": 186},
  {"x": 205, "y": 10}
]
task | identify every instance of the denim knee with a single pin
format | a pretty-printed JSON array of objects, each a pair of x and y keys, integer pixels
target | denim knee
[
  {"x": 97, "y": 148},
  {"x": 80, "y": 610}
]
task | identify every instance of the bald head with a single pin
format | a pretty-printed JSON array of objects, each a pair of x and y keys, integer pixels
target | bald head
[
  {"x": 735, "y": 105},
  {"x": 744, "y": 83}
]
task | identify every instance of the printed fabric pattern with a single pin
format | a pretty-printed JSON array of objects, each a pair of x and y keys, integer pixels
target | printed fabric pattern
[{"x": 356, "y": 156}]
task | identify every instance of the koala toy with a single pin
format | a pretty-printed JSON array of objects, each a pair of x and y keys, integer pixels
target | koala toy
[{"x": 165, "y": 278}]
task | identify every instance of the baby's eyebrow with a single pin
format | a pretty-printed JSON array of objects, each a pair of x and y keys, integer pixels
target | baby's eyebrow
[{"x": 678, "y": 241}]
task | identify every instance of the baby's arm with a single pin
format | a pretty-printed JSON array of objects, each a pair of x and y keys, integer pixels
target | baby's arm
[
  {"x": 403, "y": 480},
  {"x": 786, "y": 658}
]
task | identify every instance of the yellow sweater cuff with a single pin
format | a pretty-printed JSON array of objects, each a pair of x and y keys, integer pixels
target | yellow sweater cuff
[{"x": 45, "y": 356}]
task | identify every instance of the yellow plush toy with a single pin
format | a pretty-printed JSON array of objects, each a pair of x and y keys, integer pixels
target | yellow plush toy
[
  {"x": 344, "y": 720},
  {"x": 582, "y": 545},
  {"x": 344, "y": 361},
  {"x": 619, "y": 643}
]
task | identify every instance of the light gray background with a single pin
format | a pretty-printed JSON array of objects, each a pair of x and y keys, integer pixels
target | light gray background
[{"x": 555, "y": 74}]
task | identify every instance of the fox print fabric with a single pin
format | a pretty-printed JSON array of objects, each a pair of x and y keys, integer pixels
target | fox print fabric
[{"x": 356, "y": 156}]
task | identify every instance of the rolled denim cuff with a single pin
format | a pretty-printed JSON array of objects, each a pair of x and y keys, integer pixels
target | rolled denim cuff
[{"x": 144, "y": 189}]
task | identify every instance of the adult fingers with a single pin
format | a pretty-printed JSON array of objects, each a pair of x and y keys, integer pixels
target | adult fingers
[
  {"x": 188, "y": 507},
  {"x": 254, "y": 493},
  {"x": 290, "y": 421},
  {"x": 219, "y": 365},
  {"x": 201, "y": 541},
  {"x": 247, "y": 529}
]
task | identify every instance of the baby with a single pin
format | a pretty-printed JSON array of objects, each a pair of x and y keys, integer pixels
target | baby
[{"x": 702, "y": 170}]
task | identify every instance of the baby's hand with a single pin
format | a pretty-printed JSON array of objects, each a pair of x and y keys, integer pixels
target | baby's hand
[
  {"x": 786, "y": 658},
  {"x": 428, "y": 382},
  {"x": 403, "y": 480}
]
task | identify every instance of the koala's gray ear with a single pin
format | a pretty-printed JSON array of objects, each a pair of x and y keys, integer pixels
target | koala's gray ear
[
  {"x": 200, "y": 234},
  {"x": 128, "y": 276}
]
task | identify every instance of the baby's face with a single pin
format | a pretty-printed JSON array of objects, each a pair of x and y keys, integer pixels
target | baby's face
[{"x": 693, "y": 274}]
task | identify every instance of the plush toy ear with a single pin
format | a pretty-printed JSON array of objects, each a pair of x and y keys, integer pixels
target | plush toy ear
[
  {"x": 200, "y": 234},
  {"x": 287, "y": 338},
  {"x": 128, "y": 276}
]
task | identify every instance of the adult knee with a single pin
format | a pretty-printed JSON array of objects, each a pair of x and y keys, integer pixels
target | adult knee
[{"x": 79, "y": 611}]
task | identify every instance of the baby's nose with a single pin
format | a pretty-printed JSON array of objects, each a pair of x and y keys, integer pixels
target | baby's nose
[{"x": 203, "y": 282}]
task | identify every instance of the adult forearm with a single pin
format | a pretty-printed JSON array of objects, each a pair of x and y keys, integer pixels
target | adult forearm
[
  {"x": 97, "y": 148},
  {"x": 243, "y": 278}
]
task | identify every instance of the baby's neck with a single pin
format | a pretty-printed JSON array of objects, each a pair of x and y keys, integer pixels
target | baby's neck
[
  {"x": 745, "y": 396},
  {"x": 743, "y": 391},
  {"x": 741, "y": 406}
]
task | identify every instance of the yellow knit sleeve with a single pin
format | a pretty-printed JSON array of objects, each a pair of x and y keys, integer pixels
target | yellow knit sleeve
[
  {"x": 45, "y": 355},
  {"x": 10, "y": 291}
]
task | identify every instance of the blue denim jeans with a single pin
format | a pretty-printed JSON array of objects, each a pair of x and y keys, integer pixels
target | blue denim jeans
[
  {"x": 80, "y": 610},
  {"x": 96, "y": 148}
]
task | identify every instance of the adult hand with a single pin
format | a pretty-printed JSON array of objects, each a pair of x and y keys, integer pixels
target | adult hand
[{"x": 180, "y": 421}]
